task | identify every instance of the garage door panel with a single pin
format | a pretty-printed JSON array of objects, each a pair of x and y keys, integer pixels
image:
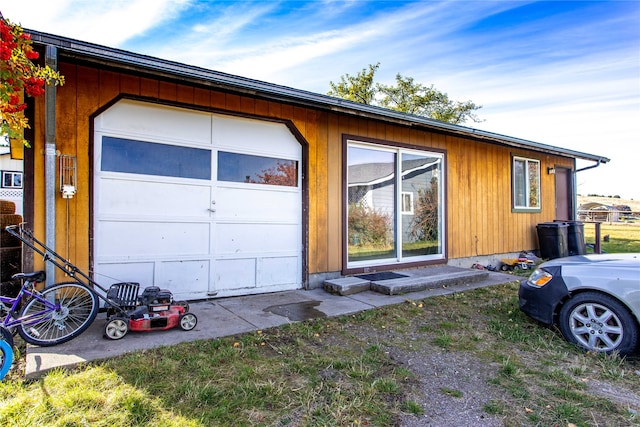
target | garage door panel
[
  {"x": 147, "y": 239},
  {"x": 158, "y": 122},
  {"x": 278, "y": 270},
  {"x": 248, "y": 203},
  {"x": 243, "y": 135},
  {"x": 140, "y": 272},
  {"x": 235, "y": 274},
  {"x": 186, "y": 279},
  {"x": 147, "y": 198},
  {"x": 238, "y": 238}
]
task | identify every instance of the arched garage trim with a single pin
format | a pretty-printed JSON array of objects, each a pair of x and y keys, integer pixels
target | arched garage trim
[{"x": 194, "y": 119}]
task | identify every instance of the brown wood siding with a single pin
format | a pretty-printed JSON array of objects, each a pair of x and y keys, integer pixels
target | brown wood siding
[{"x": 479, "y": 216}]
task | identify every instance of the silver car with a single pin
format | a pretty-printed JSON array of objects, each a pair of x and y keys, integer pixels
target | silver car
[{"x": 593, "y": 299}]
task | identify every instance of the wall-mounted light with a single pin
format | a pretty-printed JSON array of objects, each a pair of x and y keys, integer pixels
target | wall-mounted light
[{"x": 551, "y": 171}]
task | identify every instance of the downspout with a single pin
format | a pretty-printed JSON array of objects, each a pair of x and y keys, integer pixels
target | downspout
[
  {"x": 575, "y": 184},
  {"x": 597, "y": 248},
  {"x": 589, "y": 167},
  {"x": 51, "y": 59}
]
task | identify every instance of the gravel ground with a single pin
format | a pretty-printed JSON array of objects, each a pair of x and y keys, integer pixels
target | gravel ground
[
  {"x": 451, "y": 387},
  {"x": 442, "y": 371},
  {"x": 454, "y": 387}
]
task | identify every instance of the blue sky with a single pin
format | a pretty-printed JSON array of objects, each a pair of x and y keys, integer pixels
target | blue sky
[{"x": 559, "y": 73}]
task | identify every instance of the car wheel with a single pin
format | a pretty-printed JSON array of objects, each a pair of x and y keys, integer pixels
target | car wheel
[{"x": 598, "y": 322}]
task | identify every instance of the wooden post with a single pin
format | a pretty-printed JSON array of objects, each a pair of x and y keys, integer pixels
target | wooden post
[{"x": 597, "y": 249}]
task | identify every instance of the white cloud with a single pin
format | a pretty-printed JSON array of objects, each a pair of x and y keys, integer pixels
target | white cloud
[
  {"x": 109, "y": 23},
  {"x": 567, "y": 80}
]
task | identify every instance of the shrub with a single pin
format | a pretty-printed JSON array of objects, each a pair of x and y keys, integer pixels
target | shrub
[{"x": 368, "y": 226}]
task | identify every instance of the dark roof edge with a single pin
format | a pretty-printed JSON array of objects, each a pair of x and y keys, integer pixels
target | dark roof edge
[{"x": 118, "y": 57}]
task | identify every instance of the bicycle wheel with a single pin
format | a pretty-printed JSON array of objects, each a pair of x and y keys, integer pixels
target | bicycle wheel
[
  {"x": 5, "y": 334},
  {"x": 78, "y": 306},
  {"x": 6, "y": 358}
]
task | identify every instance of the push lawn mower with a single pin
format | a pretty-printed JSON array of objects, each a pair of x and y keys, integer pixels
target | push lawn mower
[{"x": 153, "y": 310}]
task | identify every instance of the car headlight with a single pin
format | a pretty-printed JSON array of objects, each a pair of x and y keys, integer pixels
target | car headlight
[{"x": 539, "y": 278}]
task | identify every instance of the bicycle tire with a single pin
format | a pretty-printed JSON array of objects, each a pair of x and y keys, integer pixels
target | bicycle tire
[
  {"x": 5, "y": 334},
  {"x": 6, "y": 358},
  {"x": 78, "y": 308}
]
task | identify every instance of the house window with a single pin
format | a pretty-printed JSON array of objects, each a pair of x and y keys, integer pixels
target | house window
[
  {"x": 394, "y": 205},
  {"x": 407, "y": 203},
  {"x": 11, "y": 179},
  {"x": 246, "y": 168},
  {"x": 526, "y": 184},
  {"x": 150, "y": 158}
]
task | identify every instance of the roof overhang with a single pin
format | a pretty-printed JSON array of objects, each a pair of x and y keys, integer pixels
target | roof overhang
[{"x": 120, "y": 59}]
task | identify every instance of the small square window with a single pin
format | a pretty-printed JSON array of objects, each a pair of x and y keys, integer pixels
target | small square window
[
  {"x": 407, "y": 203},
  {"x": 11, "y": 179}
]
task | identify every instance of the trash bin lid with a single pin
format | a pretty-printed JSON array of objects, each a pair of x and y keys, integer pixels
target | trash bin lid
[{"x": 552, "y": 225}]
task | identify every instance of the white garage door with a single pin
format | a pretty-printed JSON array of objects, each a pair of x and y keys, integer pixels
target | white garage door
[{"x": 198, "y": 203}]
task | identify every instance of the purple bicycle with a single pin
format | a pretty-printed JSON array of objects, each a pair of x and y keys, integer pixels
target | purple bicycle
[{"x": 51, "y": 316}]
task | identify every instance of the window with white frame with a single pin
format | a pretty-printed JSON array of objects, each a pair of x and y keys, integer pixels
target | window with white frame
[
  {"x": 11, "y": 179},
  {"x": 525, "y": 184},
  {"x": 394, "y": 204},
  {"x": 407, "y": 203}
]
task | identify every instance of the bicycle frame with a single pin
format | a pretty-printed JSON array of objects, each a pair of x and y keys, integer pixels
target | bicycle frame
[
  {"x": 122, "y": 299},
  {"x": 11, "y": 321},
  {"x": 49, "y": 255}
]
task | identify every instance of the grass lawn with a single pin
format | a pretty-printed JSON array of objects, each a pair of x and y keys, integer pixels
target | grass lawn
[
  {"x": 364, "y": 253},
  {"x": 337, "y": 372},
  {"x": 329, "y": 372},
  {"x": 622, "y": 237}
]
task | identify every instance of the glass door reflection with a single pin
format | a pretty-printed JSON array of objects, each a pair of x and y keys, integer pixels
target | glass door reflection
[{"x": 371, "y": 204}]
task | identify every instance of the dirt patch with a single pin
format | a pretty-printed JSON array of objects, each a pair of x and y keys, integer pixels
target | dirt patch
[
  {"x": 453, "y": 389},
  {"x": 620, "y": 395},
  {"x": 476, "y": 360}
]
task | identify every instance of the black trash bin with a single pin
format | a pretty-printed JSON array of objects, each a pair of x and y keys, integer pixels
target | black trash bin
[
  {"x": 575, "y": 238},
  {"x": 553, "y": 237}
]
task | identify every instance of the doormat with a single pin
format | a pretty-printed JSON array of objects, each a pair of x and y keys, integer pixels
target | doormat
[{"x": 385, "y": 275}]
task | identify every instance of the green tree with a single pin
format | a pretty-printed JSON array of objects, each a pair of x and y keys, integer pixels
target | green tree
[
  {"x": 359, "y": 88},
  {"x": 405, "y": 96}
]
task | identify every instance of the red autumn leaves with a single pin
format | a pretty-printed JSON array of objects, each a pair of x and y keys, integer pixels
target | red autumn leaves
[
  {"x": 13, "y": 76},
  {"x": 19, "y": 76}
]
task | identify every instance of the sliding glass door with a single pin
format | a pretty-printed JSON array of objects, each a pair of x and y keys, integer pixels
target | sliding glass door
[{"x": 394, "y": 205}]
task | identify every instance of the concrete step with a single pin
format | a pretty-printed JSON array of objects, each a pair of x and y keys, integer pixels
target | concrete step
[{"x": 414, "y": 281}]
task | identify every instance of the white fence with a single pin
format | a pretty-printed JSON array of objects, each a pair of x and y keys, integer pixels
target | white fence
[{"x": 608, "y": 215}]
